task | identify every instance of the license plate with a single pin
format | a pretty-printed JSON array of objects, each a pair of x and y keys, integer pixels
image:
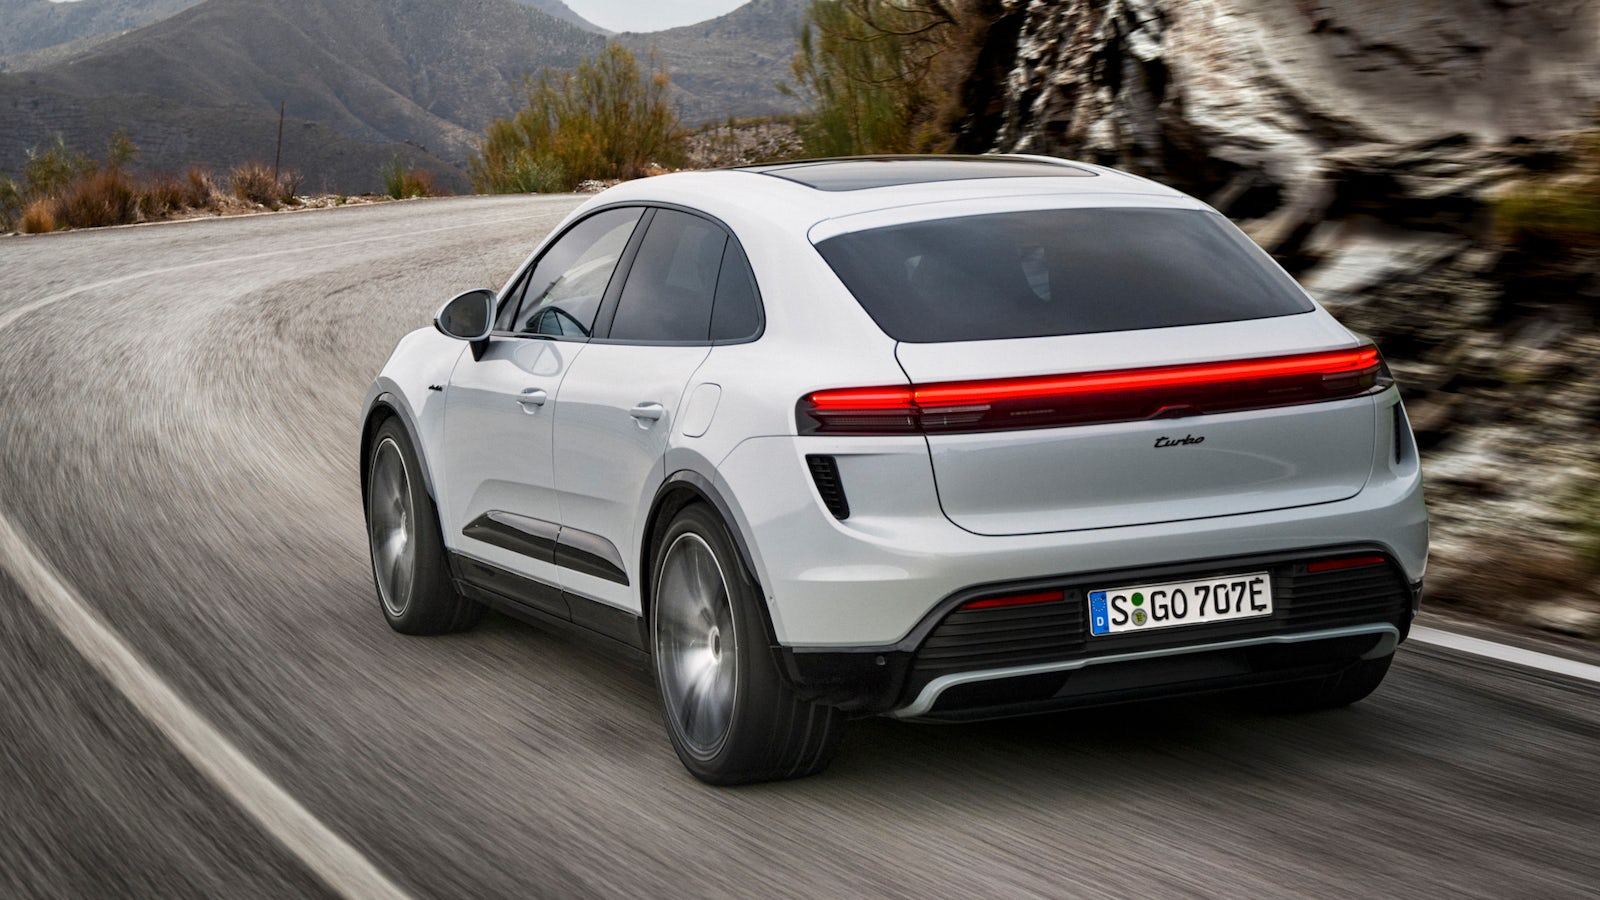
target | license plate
[{"x": 1141, "y": 607}]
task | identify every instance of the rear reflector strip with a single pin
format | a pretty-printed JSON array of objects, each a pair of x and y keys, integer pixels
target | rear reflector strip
[
  {"x": 1354, "y": 562},
  {"x": 1017, "y": 600},
  {"x": 1086, "y": 398}
]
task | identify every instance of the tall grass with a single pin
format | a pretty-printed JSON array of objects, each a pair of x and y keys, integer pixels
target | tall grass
[{"x": 606, "y": 120}]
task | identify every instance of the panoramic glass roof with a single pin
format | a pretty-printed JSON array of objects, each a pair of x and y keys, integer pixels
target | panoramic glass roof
[{"x": 865, "y": 173}]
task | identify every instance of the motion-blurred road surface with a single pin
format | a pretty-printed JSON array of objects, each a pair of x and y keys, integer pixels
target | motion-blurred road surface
[{"x": 178, "y": 434}]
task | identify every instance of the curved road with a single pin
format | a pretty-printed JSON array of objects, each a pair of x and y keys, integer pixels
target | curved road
[{"x": 177, "y": 457}]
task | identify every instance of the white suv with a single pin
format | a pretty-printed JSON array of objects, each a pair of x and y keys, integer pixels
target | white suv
[{"x": 936, "y": 437}]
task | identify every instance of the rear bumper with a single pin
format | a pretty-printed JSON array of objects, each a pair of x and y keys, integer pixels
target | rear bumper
[
  {"x": 871, "y": 580},
  {"x": 982, "y": 663}
]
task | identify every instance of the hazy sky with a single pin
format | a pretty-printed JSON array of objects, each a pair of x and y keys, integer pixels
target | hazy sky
[
  {"x": 640, "y": 15},
  {"x": 650, "y": 15}
]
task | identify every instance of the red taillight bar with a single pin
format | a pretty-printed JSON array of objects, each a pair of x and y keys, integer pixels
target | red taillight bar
[{"x": 1093, "y": 397}]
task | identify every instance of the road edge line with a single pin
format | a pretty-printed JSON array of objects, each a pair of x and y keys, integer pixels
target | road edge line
[
  {"x": 1531, "y": 659},
  {"x": 338, "y": 864}
]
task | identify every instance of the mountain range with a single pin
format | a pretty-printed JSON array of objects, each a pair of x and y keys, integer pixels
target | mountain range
[{"x": 363, "y": 81}]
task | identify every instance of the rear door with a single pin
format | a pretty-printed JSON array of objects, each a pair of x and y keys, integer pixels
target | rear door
[{"x": 619, "y": 405}]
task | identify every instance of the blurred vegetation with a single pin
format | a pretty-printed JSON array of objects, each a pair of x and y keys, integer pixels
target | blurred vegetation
[
  {"x": 255, "y": 182},
  {"x": 1556, "y": 212},
  {"x": 63, "y": 188},
  {"x": 887, "y": 76},
  {"x": 608, "y": 119},
  {"x": 402, "y": 183}
]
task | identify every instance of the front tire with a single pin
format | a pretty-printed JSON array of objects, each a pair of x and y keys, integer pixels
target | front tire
[
  {"x": 409, "y": 569},
  {"x": 730, "y": 715}
]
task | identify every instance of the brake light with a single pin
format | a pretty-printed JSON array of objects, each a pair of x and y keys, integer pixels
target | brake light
[{"x": 1085, "y": 398}]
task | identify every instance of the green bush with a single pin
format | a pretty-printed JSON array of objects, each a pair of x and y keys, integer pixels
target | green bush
[
  {"x": 605, "y": 120},
  {"x": 11, "y": 204},
  {"x": 49, "y": 170},
  {"x": 886, "y": 76}
]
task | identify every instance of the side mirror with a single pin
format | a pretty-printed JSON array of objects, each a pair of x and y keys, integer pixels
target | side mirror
[{"x": 468, "y": 316}]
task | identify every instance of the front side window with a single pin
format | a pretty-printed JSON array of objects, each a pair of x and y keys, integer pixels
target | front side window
[
  {"x": 562, "y": 293},
  {"x": 1059, "y": 271},
  {"x": 673, "y": 281}
]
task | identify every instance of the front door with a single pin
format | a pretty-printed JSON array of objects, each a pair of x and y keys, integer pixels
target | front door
[{"x": 501, "y": 507}]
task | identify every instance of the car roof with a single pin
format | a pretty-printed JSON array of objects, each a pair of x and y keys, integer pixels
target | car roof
[{"x": 802, "y": 193}]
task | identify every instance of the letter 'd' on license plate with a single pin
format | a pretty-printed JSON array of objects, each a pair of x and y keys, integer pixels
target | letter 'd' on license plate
[{"x": 1141, "y": 607}]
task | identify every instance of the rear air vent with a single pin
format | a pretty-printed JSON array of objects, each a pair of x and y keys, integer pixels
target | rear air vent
[{"x": 825, "y": 472}]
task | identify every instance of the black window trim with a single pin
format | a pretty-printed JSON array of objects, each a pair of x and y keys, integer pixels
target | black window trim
[
  {"x": 613, "y": 295},
  {"x": 623, "y": 262}
]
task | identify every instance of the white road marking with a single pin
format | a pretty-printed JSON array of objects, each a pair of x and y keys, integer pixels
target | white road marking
[
  {"x": 1532, "y": 659},
  {"x": 328, "y": 856}
]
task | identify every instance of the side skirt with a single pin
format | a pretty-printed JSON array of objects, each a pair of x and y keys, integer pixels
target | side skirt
[{"x": 611, "y": 629}]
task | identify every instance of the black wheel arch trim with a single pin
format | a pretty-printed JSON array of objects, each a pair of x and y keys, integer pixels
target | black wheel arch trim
[
  {"x": 386, "y": 404},
  {"x": 660, "y": 515}
]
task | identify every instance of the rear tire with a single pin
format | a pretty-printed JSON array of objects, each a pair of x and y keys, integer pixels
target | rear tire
[
  {"x": 729, "y": 713},
  {"x": 409, "y": 568},
  {"x": 1347, "y": 687}
]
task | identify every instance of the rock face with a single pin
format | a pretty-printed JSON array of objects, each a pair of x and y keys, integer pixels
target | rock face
[
  {"x": 1247, "y": 97},
  {"x": 1367, "y": 144}
]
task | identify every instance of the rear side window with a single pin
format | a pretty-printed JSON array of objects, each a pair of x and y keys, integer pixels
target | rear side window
[
  {"x": 737, "y": 313},
  {"x": 673, "y": 281},
  {"x": 1064, "y": 271}
]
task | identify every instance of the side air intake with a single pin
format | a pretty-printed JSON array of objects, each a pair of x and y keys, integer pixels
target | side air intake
[{"x": 825, "y": 473}]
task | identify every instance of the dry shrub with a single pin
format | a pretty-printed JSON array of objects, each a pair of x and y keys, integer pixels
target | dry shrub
[
  {"x": 98, "y": 199},
  {"x": 202, "y": 193},
  {"x": 165, "y": 193},
  {"x": 402, "y": 183},
  {"x": 38, "y": 217},
  {"x": 254, "y": 183}
]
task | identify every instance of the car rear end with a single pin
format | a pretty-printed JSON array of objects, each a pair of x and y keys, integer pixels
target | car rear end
[{"x": 1126, "y": 456}]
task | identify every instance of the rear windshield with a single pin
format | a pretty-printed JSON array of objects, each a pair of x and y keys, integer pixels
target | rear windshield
[{"x": 1059, "y": 271}]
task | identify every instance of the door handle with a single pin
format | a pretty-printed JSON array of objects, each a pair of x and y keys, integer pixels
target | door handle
[
  {"x": 650, "y": 411},
  {"x": 533, "y": 397}
]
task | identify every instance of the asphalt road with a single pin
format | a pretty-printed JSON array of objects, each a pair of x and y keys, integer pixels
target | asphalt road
[{"x": 177, "y": 441}]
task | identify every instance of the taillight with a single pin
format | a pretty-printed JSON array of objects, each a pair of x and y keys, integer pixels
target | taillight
[{"x": 1085, "y": 398}]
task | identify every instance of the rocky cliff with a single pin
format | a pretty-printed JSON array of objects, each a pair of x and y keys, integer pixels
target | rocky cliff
[{"x": 1370, "y": 145}]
